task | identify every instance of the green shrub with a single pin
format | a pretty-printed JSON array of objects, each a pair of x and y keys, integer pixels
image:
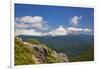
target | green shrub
[
  {"x": 52, "y": 59},
  {"x": 33, "y": 41},
  {"x": 23, "y": 55}
]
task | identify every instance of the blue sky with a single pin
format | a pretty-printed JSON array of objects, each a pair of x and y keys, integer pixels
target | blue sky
[{"x": 55, "y": 16}]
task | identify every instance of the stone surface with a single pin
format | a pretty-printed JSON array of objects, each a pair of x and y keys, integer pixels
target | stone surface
[{"x": 41, "y": 52}]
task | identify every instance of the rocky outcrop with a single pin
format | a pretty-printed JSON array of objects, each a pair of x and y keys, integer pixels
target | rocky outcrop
[
  {"x": 44, "y": 54},
  {"x": 36, "y": 53},
  {"x": 63, "y": 57}
]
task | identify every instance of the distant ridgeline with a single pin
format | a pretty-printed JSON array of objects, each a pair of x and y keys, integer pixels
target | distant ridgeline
[
  {"x": 76, "y": 47},
  {"x": 34, "y": 52}
]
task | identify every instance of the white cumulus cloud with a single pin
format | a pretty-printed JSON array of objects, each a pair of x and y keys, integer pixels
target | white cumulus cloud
[
  {"x": 59, "y": 31},
  {"x": 74, "y": 30},
  {"x": 87, "y": 30},
  {"x": 36, "y": 26},
  {"x": 28, "y": 32},
  {"x": 31, "y": 19},
  {"x": 31, "y": 22},
  {"x": 22, "y": 25},
  {"x": 75, "y": 20}
]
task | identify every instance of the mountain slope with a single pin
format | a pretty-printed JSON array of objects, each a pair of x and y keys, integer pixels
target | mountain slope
[
  {"x": 35, "y": 53},
  {"x": 72, "y": 45}
]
